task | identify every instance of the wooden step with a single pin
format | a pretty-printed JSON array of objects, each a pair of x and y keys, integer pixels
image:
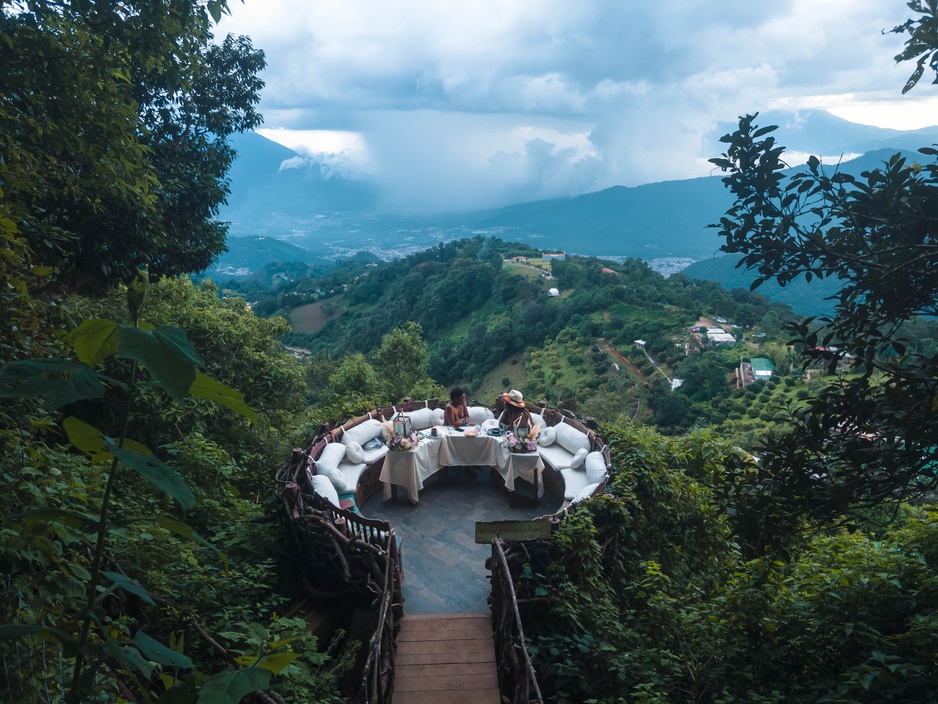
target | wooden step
[{"x": 446, "y": 659}]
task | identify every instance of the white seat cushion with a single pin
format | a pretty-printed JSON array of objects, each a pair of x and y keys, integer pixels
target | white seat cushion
[
  {"x": 571, "y": 438},
  {"x": 327, "y": 465},
  {"x": 556, "y": 456},
  {"x": 595, "y": 466},
  {"x": 351, "y": 472},
  {"x": 574, "y": 480},
  {"x": 479, "y": 414},
  {"x": 424, "y": 418},
  {"x": 372, "y": 456},
  {"x": 324, "y": 488},
  {"x": 363, "y": 432},
  {"x": 585, "y": 492}
]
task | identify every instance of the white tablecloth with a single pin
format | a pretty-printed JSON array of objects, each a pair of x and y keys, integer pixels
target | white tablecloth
[
  {"x": 410, "y": 468},
  {"x": 453, "y": 449}
]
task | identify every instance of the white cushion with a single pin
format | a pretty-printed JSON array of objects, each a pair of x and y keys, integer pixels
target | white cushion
[
  {"x": 334, "y": 476},
  {"x": 579, "y": 458},
  {"x": 354, "y": 452},
  {"x": 556, "y": 456},
  {"x": 571, "y": 439},
  {"x": 479, "y": 414},
  {"x": 363, "y": 432},
  {"x": 585, "y": 492},
  {"x": 372, "y": 456},
  {"x": 573, "y": 482},
  {"x": 489, "y": 424},
  {"x": 328, "y": 464},
  {"x": 351, "y": 472},
  {"x": 595, "y": 467},
  {"x": 538, "y": 419},
  {"x": 424, "y": 418},
  {"x": 331, "y": 455},
  {"x": 324, "y": 488},
  {"x": 547, "y": 437}
]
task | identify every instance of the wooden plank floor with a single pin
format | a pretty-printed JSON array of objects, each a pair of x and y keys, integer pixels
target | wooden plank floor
[{"x": 445, "y": 659}]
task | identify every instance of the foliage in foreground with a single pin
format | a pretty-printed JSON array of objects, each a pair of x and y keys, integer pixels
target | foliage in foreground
[
  {"x": 653, "y": 596},
  {"x": 111, "y": 588}
]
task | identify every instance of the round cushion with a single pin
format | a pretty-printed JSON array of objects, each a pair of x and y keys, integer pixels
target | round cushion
[
  {"x": 547, "y": 437},
  {"x": 354, "y": 452}
]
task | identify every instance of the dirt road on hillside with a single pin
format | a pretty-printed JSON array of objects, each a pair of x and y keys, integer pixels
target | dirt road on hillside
[{"x": 623, "y": 360}]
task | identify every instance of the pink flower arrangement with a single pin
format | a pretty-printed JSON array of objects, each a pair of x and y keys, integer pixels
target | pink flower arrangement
[
  {"x": 399, "y": 443},
  {"x": 517, "y": 445}
]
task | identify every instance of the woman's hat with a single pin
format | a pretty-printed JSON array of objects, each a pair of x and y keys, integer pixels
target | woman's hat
[{"x": 515, "y": 398}]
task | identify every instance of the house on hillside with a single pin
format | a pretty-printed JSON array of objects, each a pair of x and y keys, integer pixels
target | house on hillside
[
  {"x": 519, "y": 260},
  {"x": 553, "y": 293},
  {"x": 756, "y": 369},
  {"x": 719, "y": 336},
  {"x": 553, "y": 256}
]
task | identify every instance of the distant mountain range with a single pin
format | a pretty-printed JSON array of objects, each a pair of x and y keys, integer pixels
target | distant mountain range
[{"x": 282, "y": 205}]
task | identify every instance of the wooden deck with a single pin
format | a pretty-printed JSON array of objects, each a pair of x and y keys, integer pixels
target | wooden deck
[{"x": 446, "y": 659}]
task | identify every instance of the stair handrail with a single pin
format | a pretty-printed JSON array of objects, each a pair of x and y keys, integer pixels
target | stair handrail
[
  {"x": 517, "y": 680},
  {"x": 378, "y": 675}
]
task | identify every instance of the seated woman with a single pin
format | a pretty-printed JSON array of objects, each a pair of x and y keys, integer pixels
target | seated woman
[
  {"x": 456, "y": 412},
  {"x": 515, "y": 413}
]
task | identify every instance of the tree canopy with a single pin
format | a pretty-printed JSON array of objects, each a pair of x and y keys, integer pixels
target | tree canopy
[
  {"x": 870, "y": 437},
  {"x": 114, "y": 119}
]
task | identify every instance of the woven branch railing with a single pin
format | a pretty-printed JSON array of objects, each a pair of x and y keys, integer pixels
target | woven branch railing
[
  {"x": 340, "y": 552},
  {"x": 517, "y": 680},
  {"x": 378, "y": 676}
]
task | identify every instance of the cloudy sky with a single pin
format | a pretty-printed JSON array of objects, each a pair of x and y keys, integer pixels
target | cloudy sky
[{"x": 473, "y": 103}]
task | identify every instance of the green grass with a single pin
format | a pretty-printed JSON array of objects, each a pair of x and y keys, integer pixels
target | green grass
[{"x": 512, "y": 369}]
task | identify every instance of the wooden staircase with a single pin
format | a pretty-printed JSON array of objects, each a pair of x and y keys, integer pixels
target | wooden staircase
[{"x": 446, "y": 659}]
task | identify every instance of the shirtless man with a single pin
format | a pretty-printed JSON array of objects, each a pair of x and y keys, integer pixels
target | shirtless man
[{"x": 456, "y": 412}]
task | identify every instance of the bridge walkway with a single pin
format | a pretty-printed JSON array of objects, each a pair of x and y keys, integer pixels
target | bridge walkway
[{"x": 446, "y": 659}]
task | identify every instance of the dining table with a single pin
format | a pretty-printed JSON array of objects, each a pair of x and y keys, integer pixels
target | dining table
[{"x": 454, "y": 447}]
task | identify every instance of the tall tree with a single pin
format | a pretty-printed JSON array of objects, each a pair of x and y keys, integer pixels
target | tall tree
[
  {"x": 870, "y": 437},
  {"x": 114, "y": 119}
]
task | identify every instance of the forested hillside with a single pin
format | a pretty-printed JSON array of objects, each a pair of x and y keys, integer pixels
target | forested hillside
[
  {"x": 142, "y": 416},
  {"x": 759, "y": 540}
]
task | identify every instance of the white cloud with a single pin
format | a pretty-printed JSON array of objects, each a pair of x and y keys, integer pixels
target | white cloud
[{"x": 484, "y": 101}]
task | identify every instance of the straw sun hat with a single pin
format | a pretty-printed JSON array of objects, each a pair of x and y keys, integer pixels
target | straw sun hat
[{"x": 515, "y": 398}]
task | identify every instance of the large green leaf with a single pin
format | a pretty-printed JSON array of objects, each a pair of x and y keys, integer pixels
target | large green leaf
[
  {"x": 206, "y": 387},
  {"x": 275, "y": 662},
  {"x": 230, "y": 686},
  {"x": 128, "y": 585},
  {"x": 71, "y": 519},
  {"x": 185, "y": 692},
  {"x": 161, "y": 475},
  {"x": 157, "y": 652},
  {"x": 127, "y": 656},
  {"x": 13, "y": 631},
  {"x": 94, "y": 340},
  {"x": 56, "y": 381},
  {"x": 166, "y": 352},
  {"x": 93, "y": 442},
  {"x": 187, "y": 531}
]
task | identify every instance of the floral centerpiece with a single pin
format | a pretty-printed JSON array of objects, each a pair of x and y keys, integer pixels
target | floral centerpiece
[
  {"x": 398, "y": 442},
  {"x": 523, "y": 439},
  {"x": 515, "y": 444}
]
